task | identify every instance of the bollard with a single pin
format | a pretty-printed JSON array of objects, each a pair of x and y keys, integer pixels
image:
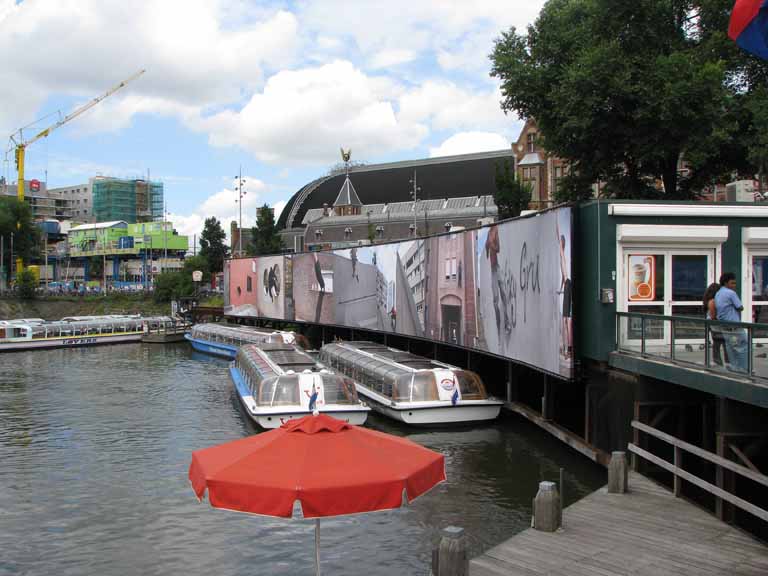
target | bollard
[
  {"x": 618, "y": 477},
  {"x": 452, "y": 553},
  {"x": 547, "y": 513}
]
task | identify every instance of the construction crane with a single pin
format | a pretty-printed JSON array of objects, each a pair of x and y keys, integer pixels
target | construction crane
[{"x": 21, "y": 145}]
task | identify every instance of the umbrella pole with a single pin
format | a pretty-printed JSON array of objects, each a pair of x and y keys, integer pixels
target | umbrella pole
[{"x": 317, "y": 546}]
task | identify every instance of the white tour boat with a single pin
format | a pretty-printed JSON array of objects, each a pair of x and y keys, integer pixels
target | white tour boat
[
  {"x": 224, "y": 340},
  {"x": 31, "y": 336},
  {"x": 411, "y": 388},
  {"x": 280, "y": 382}
]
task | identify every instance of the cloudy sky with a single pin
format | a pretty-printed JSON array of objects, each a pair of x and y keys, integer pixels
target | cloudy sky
[{"x": 274, "y": 87}]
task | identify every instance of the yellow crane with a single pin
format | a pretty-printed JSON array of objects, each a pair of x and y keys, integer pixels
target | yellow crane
[{"x": 21, "y": 145}]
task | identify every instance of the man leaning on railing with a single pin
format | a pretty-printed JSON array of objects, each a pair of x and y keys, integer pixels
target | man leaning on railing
[{"x": 729, "y": 308}]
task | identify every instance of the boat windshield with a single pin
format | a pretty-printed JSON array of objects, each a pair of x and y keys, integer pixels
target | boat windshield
[
  {"x": 338, "y": 389},
  {"x": 424, "y": 387},
  {"x": 286, "y": 391},
  {"x": 470, "y": 385}
]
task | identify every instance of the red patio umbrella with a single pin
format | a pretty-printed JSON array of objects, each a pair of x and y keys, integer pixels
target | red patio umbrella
[{"x": 332, "y": 468}]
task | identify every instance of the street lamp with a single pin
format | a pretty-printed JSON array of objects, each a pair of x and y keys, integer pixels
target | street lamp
[
  {"x": 239, "y": 188},
  {"x": 414, "y": 192}
]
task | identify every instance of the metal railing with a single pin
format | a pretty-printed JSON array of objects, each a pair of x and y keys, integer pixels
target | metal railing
[
  {"x": 735, "y": 348},
  {"x": 679, "y": 474}
]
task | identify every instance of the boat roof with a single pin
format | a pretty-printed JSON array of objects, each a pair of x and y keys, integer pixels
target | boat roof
[
  {"x": 391, "y": 356},
  {"x": 280, "y": 358}
]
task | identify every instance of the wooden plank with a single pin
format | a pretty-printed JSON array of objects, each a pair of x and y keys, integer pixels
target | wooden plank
[
  {"x": 559, "y": 432},
  {"x": 703, "y": 484},
  {"x": 743, "y": 457},
  {"x": 644, "y": 532},
  {"x": 714, "y": 458}
]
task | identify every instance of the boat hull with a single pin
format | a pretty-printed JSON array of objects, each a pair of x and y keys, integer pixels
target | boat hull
[
  {"x": 212, "y": 348},
  {"x": 75, "y": 342},
  {"x": 277, "y": 416},
  {"x": 430, "y": 414}
]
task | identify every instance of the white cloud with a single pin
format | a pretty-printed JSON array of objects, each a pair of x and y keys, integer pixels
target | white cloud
[
  {"x": 305, "y": 115},
  {"x": 460, "y": 31},
  {"x": 468, "y": 142},
  {"x": 449, "y": 107},
  {"x": 392, "y": 57},
  {"x": 225, "y": 207},
  {"x": 278, "y": 208},
  {"x": 193, "y": 56},
  {"x": 264, "y": 78}
]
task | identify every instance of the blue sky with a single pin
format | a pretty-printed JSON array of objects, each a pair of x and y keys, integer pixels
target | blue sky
[{"x": 274, "y": 87}]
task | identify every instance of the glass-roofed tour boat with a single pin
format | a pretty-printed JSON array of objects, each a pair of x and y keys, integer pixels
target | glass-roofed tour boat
[
  {"x": 411, "y": 388},
  {"x": 66, "y": 333},
  {"x": 280, "y": 382},
  {"x": 224, "y": 340}
]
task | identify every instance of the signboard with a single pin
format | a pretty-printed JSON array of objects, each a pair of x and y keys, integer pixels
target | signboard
[
  {"x": 34, "y": 185},
  {"x": 197, "y": 276},
  {"x": 505, "y": 289},
  {"x": 641, "y": 276}
]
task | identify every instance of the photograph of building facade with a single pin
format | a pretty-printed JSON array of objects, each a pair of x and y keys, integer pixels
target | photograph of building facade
[
  {"x": 313, "y": 287},
  {"x": 450, "y": 289}
]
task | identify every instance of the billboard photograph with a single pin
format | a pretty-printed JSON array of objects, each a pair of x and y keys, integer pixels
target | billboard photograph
[
  {"x": 313, "y": 287},
  {"x": 525, "y": 290},
  {"x": 505, "y": 289},
  {"x": 373, "y": 291}
]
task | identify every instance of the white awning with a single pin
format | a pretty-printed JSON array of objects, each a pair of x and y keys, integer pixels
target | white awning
[
  {"x": 662, "y": 234},
  {"x": 754, "y": 236}
]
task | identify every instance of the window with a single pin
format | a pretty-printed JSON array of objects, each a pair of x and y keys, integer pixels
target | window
[
  {"x": 531, "y": 142},
  {"x": 248, "y": 284},
  {"x": 447, "y": 268}
]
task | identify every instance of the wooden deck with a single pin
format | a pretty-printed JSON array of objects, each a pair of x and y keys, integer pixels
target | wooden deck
[{"x": 646, "y": 532}]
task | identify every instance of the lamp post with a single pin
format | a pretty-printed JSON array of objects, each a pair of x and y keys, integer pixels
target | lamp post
[
  {"x": 414, "y": 192},
  {"x": 240, "y": 181}
]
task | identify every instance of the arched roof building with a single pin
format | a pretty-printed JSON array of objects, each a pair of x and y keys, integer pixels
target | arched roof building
[{"x": 379, "y": 186}]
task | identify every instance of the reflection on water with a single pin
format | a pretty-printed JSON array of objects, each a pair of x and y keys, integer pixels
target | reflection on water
[{"x": 95, "y": 445}]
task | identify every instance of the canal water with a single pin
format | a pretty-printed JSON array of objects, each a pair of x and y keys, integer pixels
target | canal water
[{"x": 95, "y": 445}]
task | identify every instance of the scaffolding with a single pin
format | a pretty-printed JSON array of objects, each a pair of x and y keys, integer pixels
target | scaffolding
[{"x": 128, "y": 200}]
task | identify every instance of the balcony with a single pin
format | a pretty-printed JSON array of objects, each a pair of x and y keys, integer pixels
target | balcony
[{"x": 722, "y": 358}]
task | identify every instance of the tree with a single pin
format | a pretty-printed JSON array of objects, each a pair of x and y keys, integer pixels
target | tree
[
  {"x": 264, "y": 236},
  {"x": 16, "y": 219},
  {"x": 512, "y": 196},
  {"x": 212, "y": 246},
  {"x": 193, "y": 263},
  {"x": 621, "y": 89},
  {"x": 173, "y": 285},
  {"x": 26, "y": 283}
]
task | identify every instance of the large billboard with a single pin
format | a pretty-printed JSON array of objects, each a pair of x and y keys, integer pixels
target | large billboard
[{"x": 506, "y": 289}]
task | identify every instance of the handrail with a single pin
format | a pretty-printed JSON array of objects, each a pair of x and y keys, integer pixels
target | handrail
[
  {"x": 678, "y": 473},
  {"x": 705, "y": 454},
  {"x": 671, "y": 337},
  {"x": 681, "y": 318}
]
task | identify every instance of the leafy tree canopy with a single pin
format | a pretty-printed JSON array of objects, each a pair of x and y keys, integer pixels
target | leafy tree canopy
[
  {"x": 512, "y": 196},
  {"x": 27, "y": 283},
  {"x": 212, "y": 244},
  {"x": 16, "y": 219},
  {"x": 623, "y": 89},
  {"x": 264, "y": 236}
]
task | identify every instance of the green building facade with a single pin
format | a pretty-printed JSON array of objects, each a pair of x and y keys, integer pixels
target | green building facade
[{"x": 120, "y": 238}]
